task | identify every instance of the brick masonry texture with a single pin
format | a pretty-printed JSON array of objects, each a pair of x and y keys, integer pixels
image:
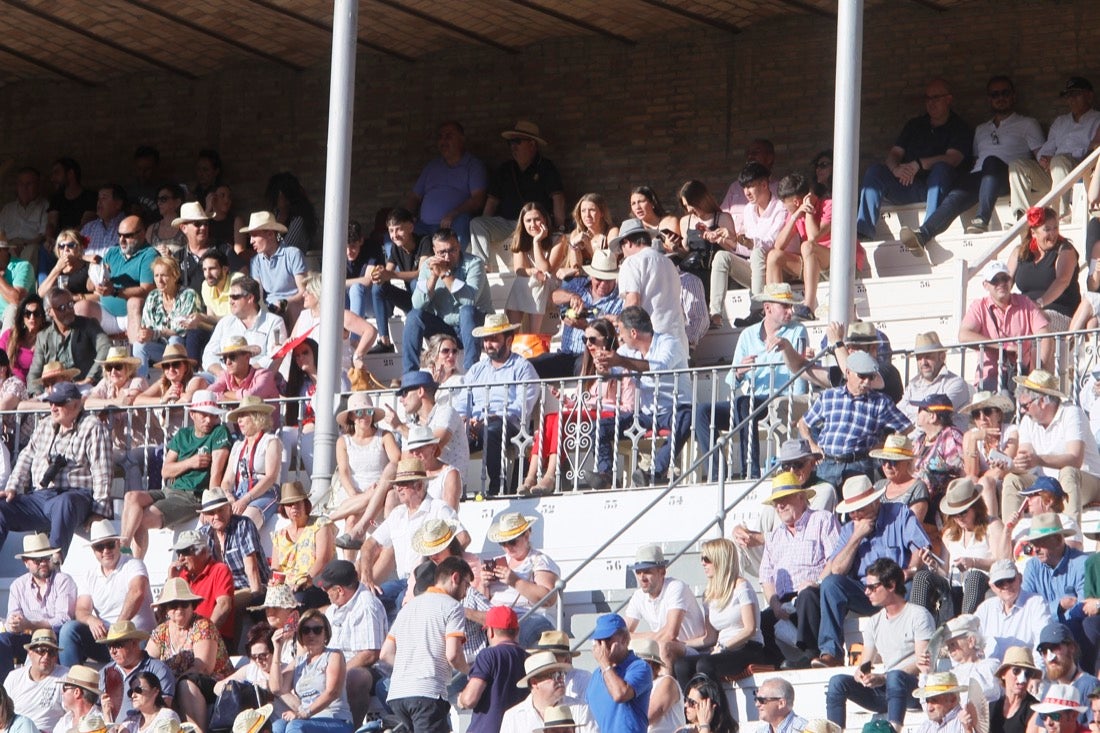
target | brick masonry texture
[{"x": 675, "y": 106}]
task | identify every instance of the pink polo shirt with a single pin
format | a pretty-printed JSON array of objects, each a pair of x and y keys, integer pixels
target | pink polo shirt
[{"x": 1021, "y": 318}]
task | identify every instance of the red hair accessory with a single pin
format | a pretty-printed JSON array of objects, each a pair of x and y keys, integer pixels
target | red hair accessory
[{"x": 1036, "y": 215}]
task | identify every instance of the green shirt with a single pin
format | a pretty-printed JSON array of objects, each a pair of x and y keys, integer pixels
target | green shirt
[
  {"x": 18, "y": 274},
  {"x": 186, "y": 444}
]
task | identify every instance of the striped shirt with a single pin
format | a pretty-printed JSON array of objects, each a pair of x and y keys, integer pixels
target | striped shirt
[
  {"x": 358, "y": 625},
  {"x": 86, "y": 448},
  {"x": 241, "y": 540},
  {"x": 420, "y": 632},
  {"x": 55, "y": 605}
]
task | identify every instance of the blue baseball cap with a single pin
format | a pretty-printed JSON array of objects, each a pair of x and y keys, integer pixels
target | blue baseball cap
[
  {"x": 1044, "y": 483},
  {"x": 1052, "y": 635},
  {"x": 416, "y": 380},
  {"x": 607, "y": 626},
  {"x": 62, "y": 392}
]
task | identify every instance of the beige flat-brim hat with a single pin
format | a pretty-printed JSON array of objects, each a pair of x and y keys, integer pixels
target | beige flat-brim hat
[
  {"x": 263, "y": 221},
  {"x": 189, "y": 212}
]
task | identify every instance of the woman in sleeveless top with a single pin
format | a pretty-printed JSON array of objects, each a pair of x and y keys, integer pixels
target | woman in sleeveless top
[
  {"x": 71, "y": 270},
  {"x": 647, "y": 208},
  {"x": 666, "y": 701},
  {"x": 444, "y": 481},
  {"x": 316, "y": 680},
  {"x": 535, "y": 257},
  {"x": 301, "y": 549},
  {"x": 991, "y": 440},
  {"x": 362, "y": 454},
  {"x": 255, "y": 462},
  {"x": 593, "y": 230},
  {"x": 1045, "y": 268},
  {"x": 165, "y": 235},
  {"x": 902, "y": 487}
]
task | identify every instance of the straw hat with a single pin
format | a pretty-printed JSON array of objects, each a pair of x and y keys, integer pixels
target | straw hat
[
  {"x": 787, "y": 484},
  {"x": 648, "y": 650},
  {"x": 554, "y": 641},
  {"x": 418, "y": 437},
  {"x": 495, "y": 323},
  {"x": 508, "y": 526},
  {"x": 278, "y": 595},
  {"x": 119, "y": 355},
  {"x": 604, "y": 265},
  {"x": 858, "y": 492},
  {"x": 262, "y": 221},
  {"x": 250, "y": 721},
  {"x": 189, "y": 212},
  {"x": 557, "y": 716},
  {"x": 524, "y": 130},
  {"x": 42, "y": 637},
  {"x": 212, "y": 499},
  {"x": 359, "y": 401},
  {"x": 236, "y": 345},
  {"x": 123, "y": 631},
  {"x": 939, "y": 683},
  {"x": 897, "y": 447},
  {"x": 962, "y": 493},
  {"x": 36, "y": 546},
  {"x": 92, "y": 722},
  {"x": 861, "y": 332},
  {"x": 206, "y": 402},
  {"x": 174, "y": 353},
  {"x": 102, "y": 529},
  {"x": 989, "y": 399},
  {"x": 777, "y": 293},
  {"x": 1047, "y": 525},
  {"x": 821, "y": 726},
  {"x": 1018, "y": 656},
  {"x": 541, "y": 663},
  {"x": 1041, "y": 381},
  {"x": 928, "y": 343},
  {"x": 57, "y": 370},
  {"x": 1060, "y": 697},
  {"x": 83, "y": 677},
  {"x": 432, "y": 536},
  {"x": 292, "y": 492},
  {"x": 173, "y": 725},
  {"x": 409, "y": 470},
  {"x": 176, "y": 589},
  {"x": 249, "y": 404}
]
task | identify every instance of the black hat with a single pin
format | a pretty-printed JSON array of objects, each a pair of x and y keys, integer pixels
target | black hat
[
  {"x": 1076, "y": 84},
  {"x": 339, "y": 572}
]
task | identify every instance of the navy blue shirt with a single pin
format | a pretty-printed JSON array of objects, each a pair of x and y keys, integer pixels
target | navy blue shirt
[{"x": 501, "y": 667}]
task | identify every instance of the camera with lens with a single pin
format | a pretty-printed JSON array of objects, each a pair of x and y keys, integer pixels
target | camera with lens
[{"x": 57, "y": 462}]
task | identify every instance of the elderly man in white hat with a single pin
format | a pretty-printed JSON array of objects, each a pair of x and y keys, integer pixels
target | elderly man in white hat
[
  {"x": 527, "y": 176},
  {"x": 758, "y": 374},
  {"x": 279, "y": 269},
  {"x": 42, "y": 598},
  {"x": 499, "y": 399},
  {"x": 545, "y": 678},
  {"x": 249, "y": 319},
  {"x": 933, "y": 377},
  {"x": 877, "y": 530},
  {"x": 35, "y": 688},
  {"x": 581, "y": 300},
  {"x": 194, "y": 461},
  {"x": 1056, "y": 441},
  {"x": 234, "y": 540},
  {"x": 666, "y": 605}
]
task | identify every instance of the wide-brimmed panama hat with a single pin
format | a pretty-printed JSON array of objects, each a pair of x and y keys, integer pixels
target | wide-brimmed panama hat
[
  {"x": 1041, "y": 381},
  {"x": 648, "y": 650},
  {"x": 418, "y": 437},
  {"x": 962, "y": 493},
  {"x": 858, "y": 492},
  {"x": 292, "y": 492},
  {"x": 433, "y": 536},
  {"x": 524, "y": 129},
  {"x": 928, "y": 343},
  {"x": 557, "y": 716},
  {"x": 939, "y": 683},
  {"x": 119, "y": 355},
  {"x": 263, "y": 221},
  {"x": 1047, "y": 525},
  {"x": 796, "y": 449},
  {"x": 57, "y": 370},
  {"x": 604, "y": 265},
  {"x": 508, "y": 526},
  {"x": 786, "y": 484},
  {"x": 174, "y": 353},
  {"x": 897, "y": 447},
  {"x": 986, "y": 398},
  {"x": 237, "y": 345},
  {"x": 861, "y": 332},
  {"x": 780, "y": 293},
  {"x": 410, "y": 470},
  {"x": 36, "y": 546},
  {"x": 206, "y": 402},
  {"x": 102, "y": 529},
  {"x": 554, "y": 641},
  {"x": 212, "y": 499},
  {"x": 176, "y": 590},
  {"x": 541, "y": 663},
  {"x": 189, "y": 212},
  {"x": 278, "y": 595},
  {"x": 83, "y": 677},
  {"x": 42, "y": 637},
  {"x": 253, "y": 720},
  {"x": 495, "y": 323},
  {"x": 123, "y": 631},
  {"x": 359, "y": 401},
  {"x": 249, "y": 404}
]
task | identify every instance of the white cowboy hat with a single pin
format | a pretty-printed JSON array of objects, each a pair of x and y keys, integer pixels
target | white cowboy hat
[
  {"x": 263, "y": 221},
  {"x": 189, "y": 212}
]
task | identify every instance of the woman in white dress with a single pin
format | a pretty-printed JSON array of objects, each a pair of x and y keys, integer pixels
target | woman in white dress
[
  {"x": 362, "y": 454},
  {"x": 536, "y": 254}
]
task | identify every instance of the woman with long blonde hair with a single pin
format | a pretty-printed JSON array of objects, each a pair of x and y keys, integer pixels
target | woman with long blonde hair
[
  {"x": 592, "y": 217},
  {"x": 732, "y": 619}
]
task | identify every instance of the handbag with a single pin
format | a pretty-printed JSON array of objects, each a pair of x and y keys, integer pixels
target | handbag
[{"x": 236, "y": 696}]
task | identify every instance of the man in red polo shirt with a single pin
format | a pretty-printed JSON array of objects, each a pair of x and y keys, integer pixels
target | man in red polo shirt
[{"x": 208, "y": 578}]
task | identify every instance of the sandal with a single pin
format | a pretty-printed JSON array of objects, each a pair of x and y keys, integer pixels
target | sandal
[{"x": 347, "y": 542}]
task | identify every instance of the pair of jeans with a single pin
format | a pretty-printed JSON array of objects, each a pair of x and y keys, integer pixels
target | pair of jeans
[
  {"x": 46, "y": 510},
  {"x": 839, "y": 595},
  {"x": 384, "y": 297},
  {"x": 490, "y": 440},
  {"x": 880, "y": 186},
  {"x": 980, "y": 187},
  {"x": 420, "y": 324},
  {"x": 78, "y": 644},
  {"x": 312, "y": 725},
  {"x": 836, "y": 472},
  {"x": 612, "y": 428},
  {"x": 893, "y": 698}
]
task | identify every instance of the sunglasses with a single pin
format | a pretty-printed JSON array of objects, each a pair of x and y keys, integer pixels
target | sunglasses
[
  {"x": 761, "y": 700},
  {"x": 260, "y": 657},
  {"x": 1005, "y": 583},
  {"x": 177, "y": 605},
  {"x": 199, "y": 224},
  {"x": 1059, "y": 716},
  {"x": 139, "y": 690},
  {"x": 999, "y": 93},
  {"x": 104, "y": 546},
  {"x": 172, "y": 365},
  {"x": 311, "y": 629},
  {"x": 1000, "y": 280},
  {"x": 511, "y": 542},
  {"x": 867, "y": 377},
  {"x": 116, "y": 644},
  {"x": 871, "y": 587},
  {"x": 691, "y": 702},
  {"x": 36, "y": 313},
  {"x": 66, "y": 245},
  {"x": 594, "y": 340},
  {"x": 236, "y": 296},
  {"x": 128, "y": 235},
  {"x": 230, "y": 358},
  {"x": 706, "y": 559},
  {"x": 63, "y": 307},
  {"x": 186, "y": 552},
  {"x": 446, "y": 350},
  {"x": 792, "y": 465},
  {"x": 44, "y": 650},
  {"x": 114, "y": 367},
  {"x": 984, "y": 411}
]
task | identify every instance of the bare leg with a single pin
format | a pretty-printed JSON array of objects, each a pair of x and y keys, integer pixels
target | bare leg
[
  {"x": 133, "y": 318},
  {"x": 190, "y": 704},
  {"x": 138, "y": 517},
  {"x": 255, "y": 515}
]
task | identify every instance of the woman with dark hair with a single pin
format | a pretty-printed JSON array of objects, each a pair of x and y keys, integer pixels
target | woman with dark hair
[
  {"x": 1045, "y": 268},
  {"x": 705, "y": 708},
  {"x": 18, "y": 341},
  {"x": 288, "y": 201},
  {"x": 316, "y": 681},
  {"x": 710, "y": 234},
  {"x": 225, "y": 229},
  {"x": 821, "y": 173},
  {"x": 165, "y": 234},
  {"x": 302, "y": 548},
  {"x": 536, "y": 255},
  {"x": 939, "y": 446},
  {"x": 300, "y": 419},
  {"x": 149, "y": 707},
  {"x": 646, "y": 207},
  {"x": 257, "y": 671}
]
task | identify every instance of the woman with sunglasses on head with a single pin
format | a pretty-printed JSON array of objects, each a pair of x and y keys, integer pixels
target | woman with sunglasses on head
[
  {"x": 192, "y": 648},
  {"x": 705, "y": 707},
  {"x": 732, "y": 619},
  {"x": 164, "y": 236},
  {"x": 19, "y": 340},
  {"x": 316, "y": 680},
  {"x": 71, "y": 269},
  {"x": 149, "y": 708},
  {"x": 990, "y": 445},
  {"x": 1045, "y": 268}
]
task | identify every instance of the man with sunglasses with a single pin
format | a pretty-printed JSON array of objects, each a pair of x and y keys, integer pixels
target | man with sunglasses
[
  {"x": 35, "y": 688},
  {"x": 1012, "y": 616},
  {"x": 76, "y": 342},
  {"x": 127, "y": 281},
  {"x": 194, "y": 222},
  {"x": 207, "y": 578},
  {"x": 1002, "y": 314},
  {"x": 1062, "y": 710},
  {"x": 248, "y": 319},
  {"x": 125, "y": 644}
]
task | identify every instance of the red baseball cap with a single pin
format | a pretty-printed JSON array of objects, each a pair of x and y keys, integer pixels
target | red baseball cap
[{"x": 501, "y": 617}]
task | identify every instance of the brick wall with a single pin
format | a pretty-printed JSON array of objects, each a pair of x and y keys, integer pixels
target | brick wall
[{"x": 674, "y": 106}]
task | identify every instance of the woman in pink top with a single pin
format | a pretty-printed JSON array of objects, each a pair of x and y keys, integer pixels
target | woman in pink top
[{"x": 18, "y": 341}]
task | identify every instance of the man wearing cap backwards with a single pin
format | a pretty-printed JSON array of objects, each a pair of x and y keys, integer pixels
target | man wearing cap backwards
[
  {"x": 939, "y": 697},
  {"x": 35, "y": 688},
  {"x": 491, "y": 688},
  {"x": 418, "y": 396},
  {"x": 897, "y": 635},
  {"x": 451, "y": 296},
  {"x": 42, "y": 598},
  {"x": 1071, "y": 137},
  {"x": 424, "y": 645},
  {"x": 649, "y": 280},
  {"x": 79, "y": 698},
  {"x": 280, "y": 270},
  {"x": 849, "y": 420},
  {"x": 74, "y": 341},
  {"x": 618, "y": 694},
  {"x": 877, "y": 531},
  {"x": 1004, "y": 314},
  {"x": 665, "y": 604},
  {"x": 758, "y": 374},
  {"x": 580, "y": 300},
  {"x": 1055, "y": 441},
  {"x": 248, "y": 318},
  {"x": 126, "y": 645},
  {"x": 933, "y": 377},
  {"x": 544, "y": 677},
  {"x": 496, "y": 403},
  {"x": 194, "y": 461},
  {"x": 528, "y": 176},
  {"x": 63, "y": 476},
  {"x": 1012, "y": 616},
  {"x": 794, "y": 562}
]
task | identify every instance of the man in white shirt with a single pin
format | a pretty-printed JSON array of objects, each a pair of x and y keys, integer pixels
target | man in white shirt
[
  {"x": 1071, "y": 137},
  {"x": 1012, "y": 617},
  {"x": 666, "y": 605},
  {"x": 763, "y": 218},
  {"x": 759, "y": 151},
  {"x": 35, "y": 688},
  {"x": 933, "y": 377},
  {"x": 649, "y": 279},
  {"x": 248, "y": 317},
  {"x": 940, "y": 698},
  {"x": 24, "y": 220},
  {"x": 545, "y": 677}
]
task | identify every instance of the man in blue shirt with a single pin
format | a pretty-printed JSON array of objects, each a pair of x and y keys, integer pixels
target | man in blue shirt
[
  {"x": 1057, "y": 572},
  {"x": 451, "y": 188},
  {"x": 279, "y": 269},
  {"x": 759, "y": 369},
  {"x": 618, "y": 694},
  {"x": 495, "y": 403},
  {"x": 876, "y": 530}
]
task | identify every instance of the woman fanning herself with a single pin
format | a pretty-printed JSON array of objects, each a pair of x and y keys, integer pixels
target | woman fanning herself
[
  {"x": 535, "y": 258},
  {"x": 989, "y": 446}
]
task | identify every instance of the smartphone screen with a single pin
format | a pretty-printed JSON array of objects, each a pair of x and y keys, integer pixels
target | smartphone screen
[{"x": 291, "y": 625}]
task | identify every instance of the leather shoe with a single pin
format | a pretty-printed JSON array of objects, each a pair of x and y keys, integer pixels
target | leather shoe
[{"x": 825, "y": 660}]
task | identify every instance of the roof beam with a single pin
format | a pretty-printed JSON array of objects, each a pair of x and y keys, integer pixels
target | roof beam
[
  {"x": 809, "y": 8},
  {"x": 232, "y": 42},
  {"x": 327, "y": 28},
  {"x": 931, "y": 5},
  {"x": 102, "y": 40},
  {"x": 592, "y": 28},
  {"x": 46, "y": 65},
  {"x": 465, "y": 32},
  {"x": 697, "y": 17}
]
